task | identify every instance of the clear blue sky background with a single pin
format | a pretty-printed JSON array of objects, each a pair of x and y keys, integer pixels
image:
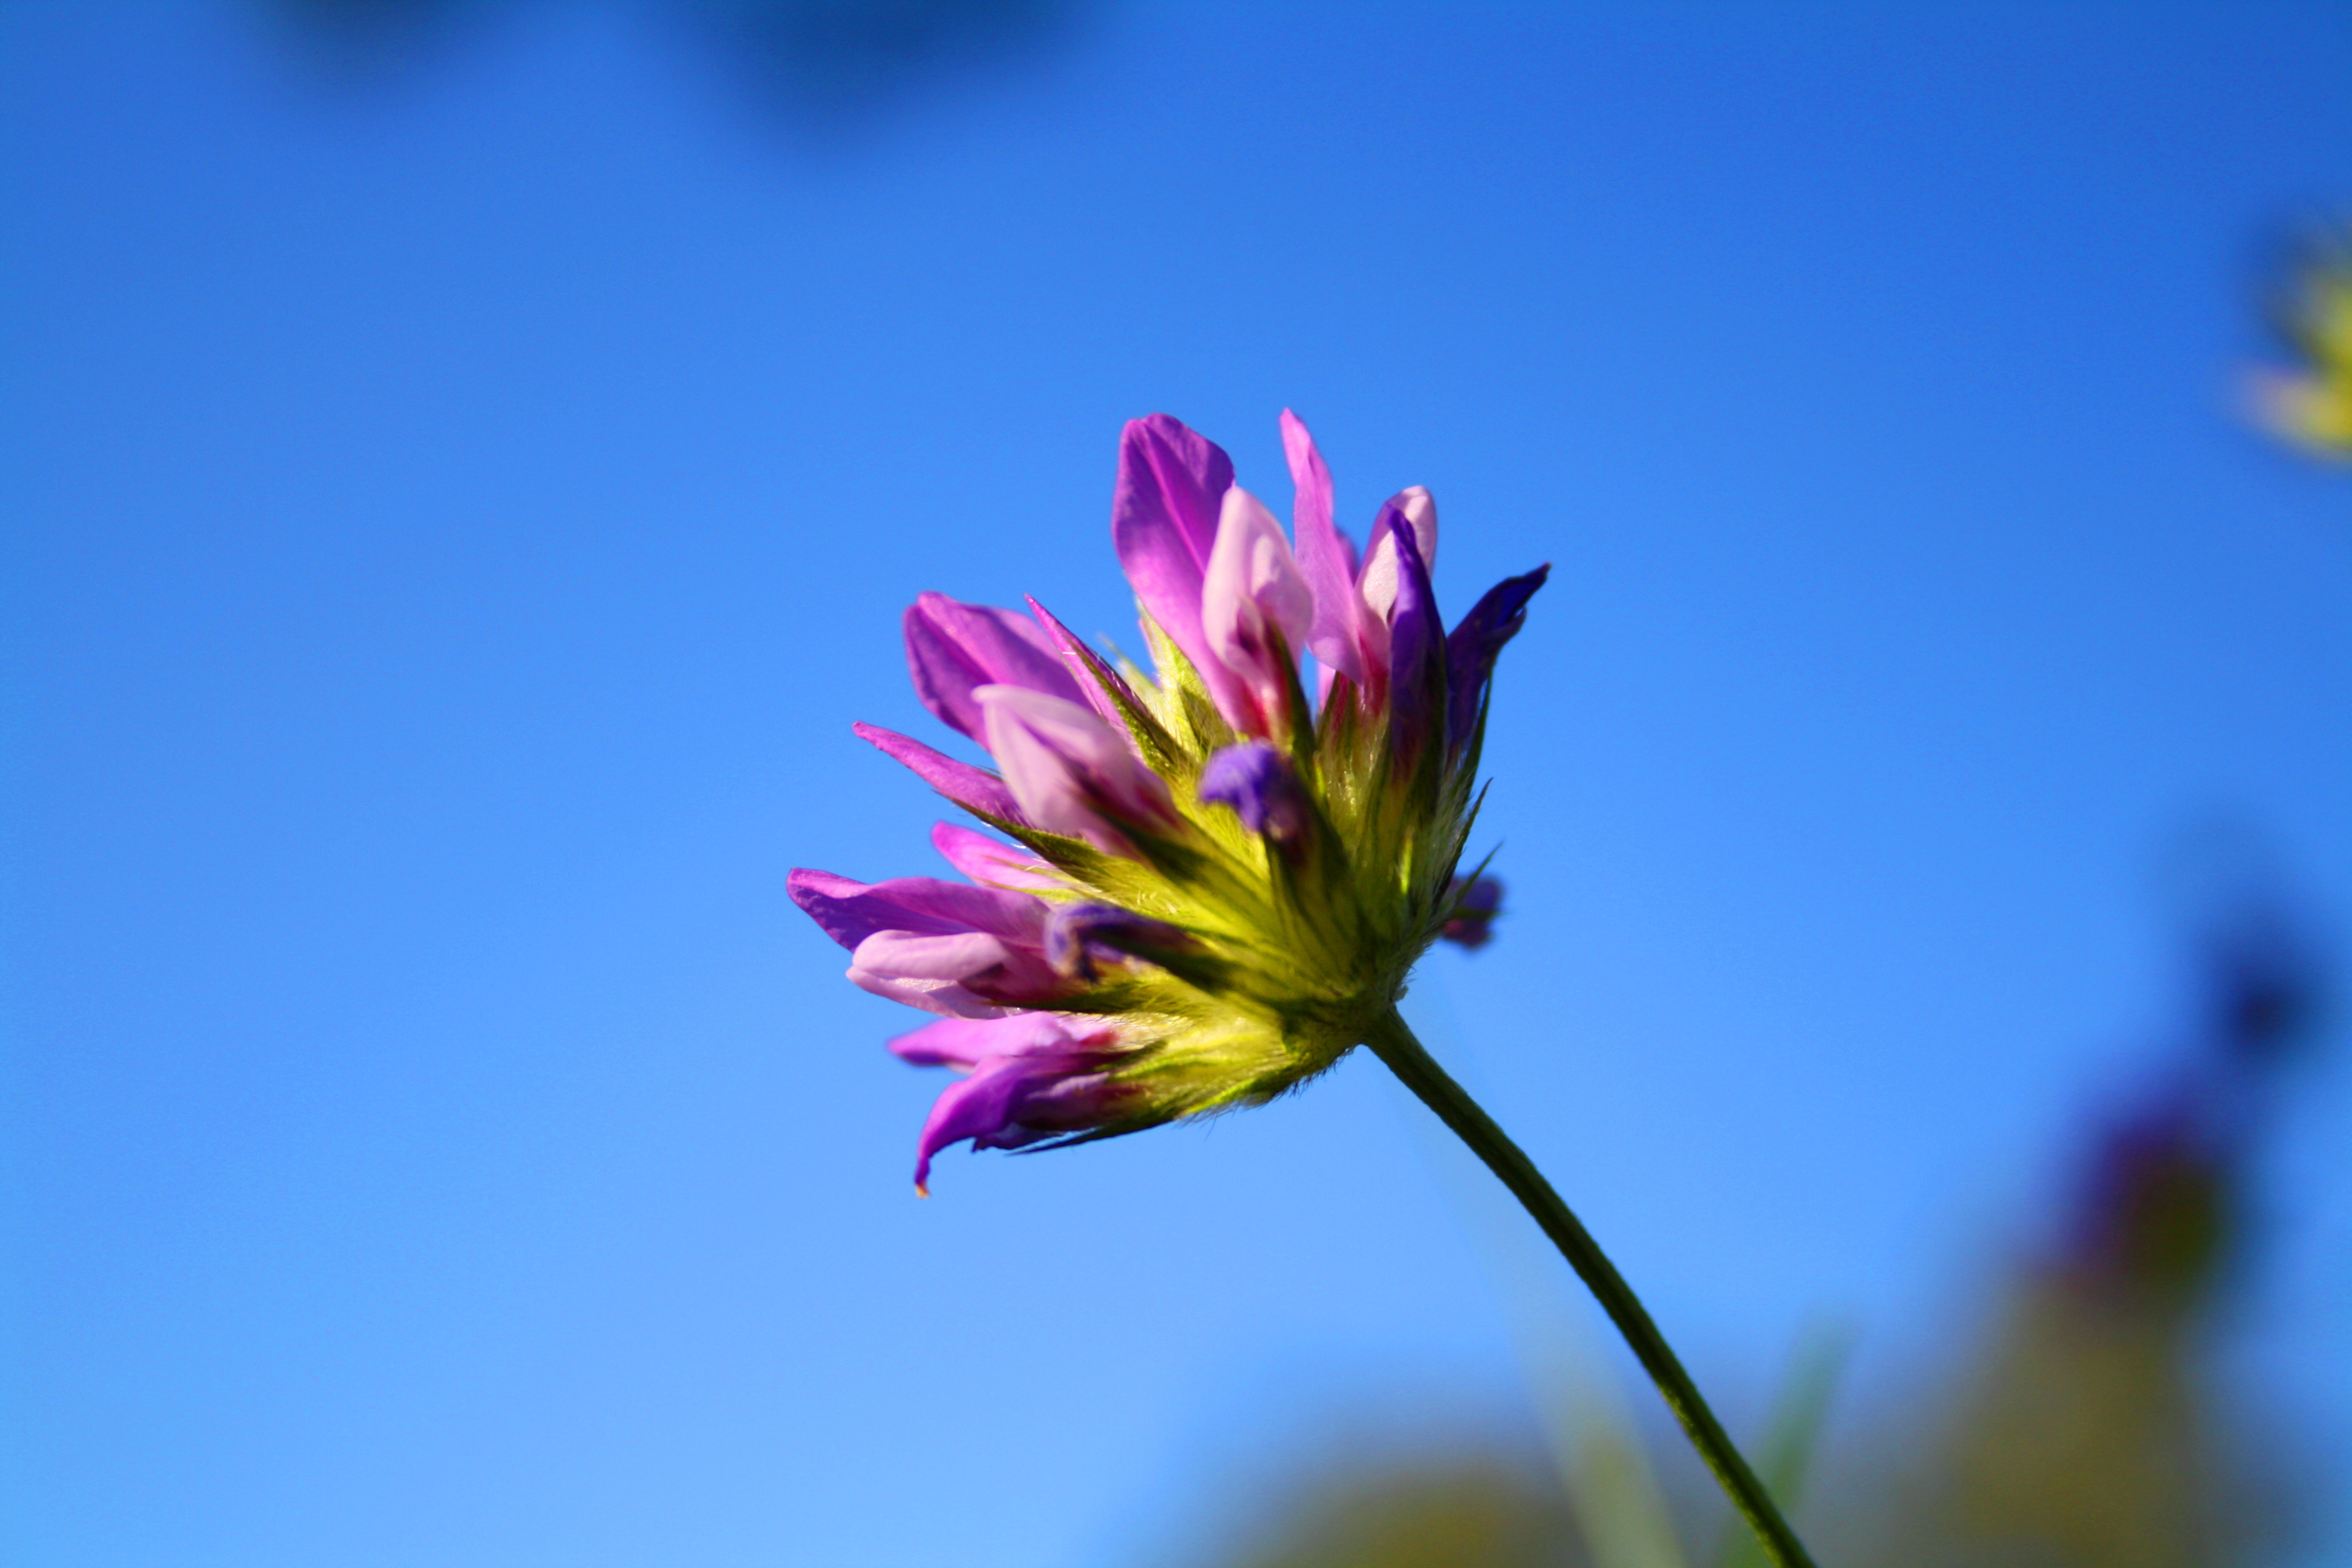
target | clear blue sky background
[{"x": 455, "y": 512}]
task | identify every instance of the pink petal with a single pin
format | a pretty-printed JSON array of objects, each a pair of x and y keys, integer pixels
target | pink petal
[
  {"x": 1068, "y": 772},
  {"x": 1324, "y": 556},
  {"x": 974, "y": 789},
  {"x": 1163, "y": 522},
  {"x": 927, "y": 972},
  {"x": 1163, "y": 519},
  {"x": 967, "y": 1042},
  {"x": 1254, "y": 589},
  {"x": 1379, "y": 579},
  {"x": 952, "y": 647},
  {"x": 987, "y": 861},
  {"x": 1088, "y": 669}
]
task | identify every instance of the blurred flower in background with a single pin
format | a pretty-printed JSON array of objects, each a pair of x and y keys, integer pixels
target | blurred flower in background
[
  {"x": 2089, "y": 1430},
  {"x": 2311, "y": 404}
]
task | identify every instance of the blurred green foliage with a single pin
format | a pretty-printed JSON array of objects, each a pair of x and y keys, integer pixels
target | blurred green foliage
[{"x": 1471, "y": 1512}]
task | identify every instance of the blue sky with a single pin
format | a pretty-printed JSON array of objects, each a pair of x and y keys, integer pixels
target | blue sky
[{"x": 456, "y": 513}]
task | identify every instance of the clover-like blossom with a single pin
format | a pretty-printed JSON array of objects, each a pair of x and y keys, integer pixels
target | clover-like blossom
[{"x": 1202, "y": 887}]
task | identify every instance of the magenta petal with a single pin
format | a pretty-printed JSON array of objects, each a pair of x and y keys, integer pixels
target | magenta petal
[
  {"x": 988, "y": 861},
  {"x": 1164, "y": 518},
  {"x": 986, "y": 1107},
  {"x": 954, "y": 906},
  {"x": 1033, "y": 1077},
  {"x": 952, "y": 647},
  {"x": 851, "y": 911},
  {"x": 830, "y": 900},
  {"x": 967, "y": 1042},
  {"x": 1088, "y": 669},
  {"x": 1324, "y": 556},
  {"x": 974, "y": 789},
  {"x": 1069, "y": 771},
  {"x": 1163, "y": 522}
]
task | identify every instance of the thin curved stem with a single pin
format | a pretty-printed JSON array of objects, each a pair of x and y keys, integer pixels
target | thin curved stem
[{"x": 1394, "y": 1044}]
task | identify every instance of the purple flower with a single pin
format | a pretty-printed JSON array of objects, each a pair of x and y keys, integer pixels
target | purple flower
[{"x": 1122, "y": 955}]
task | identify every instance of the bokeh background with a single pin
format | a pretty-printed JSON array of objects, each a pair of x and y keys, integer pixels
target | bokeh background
[{"x": 464, "y": 466}]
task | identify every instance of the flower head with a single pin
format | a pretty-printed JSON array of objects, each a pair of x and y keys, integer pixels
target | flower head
[{"x": 1208, "y": 887}]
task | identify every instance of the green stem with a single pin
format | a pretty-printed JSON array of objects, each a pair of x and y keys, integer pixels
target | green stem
[{"x": 1394, "y": 1044}]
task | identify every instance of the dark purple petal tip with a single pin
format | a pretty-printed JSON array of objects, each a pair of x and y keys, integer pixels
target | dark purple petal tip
[
  {"x": 1256, "y": 780},
  {"x": 1415, "y": 650},
  {"x": 1471, "y": 648},
  {"x": 1033, "y": 1077},
  {"x": 1078, "y": 937},
  {"x": 1475, "y": 908}
]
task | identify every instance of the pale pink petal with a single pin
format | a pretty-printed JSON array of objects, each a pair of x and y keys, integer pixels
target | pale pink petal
[
  {"x": 1324, "y": 556},
  {"x": 992, "y": 863},
  {"x": 1069, "y": 772},
  {"x": 965, "y": 1043},
  {"x": 1088, "y": 669},
  {"x": 927, "y": 972},
  {"x": 1379, "y": 579},
  {"x": 1255, "y": 590}
]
